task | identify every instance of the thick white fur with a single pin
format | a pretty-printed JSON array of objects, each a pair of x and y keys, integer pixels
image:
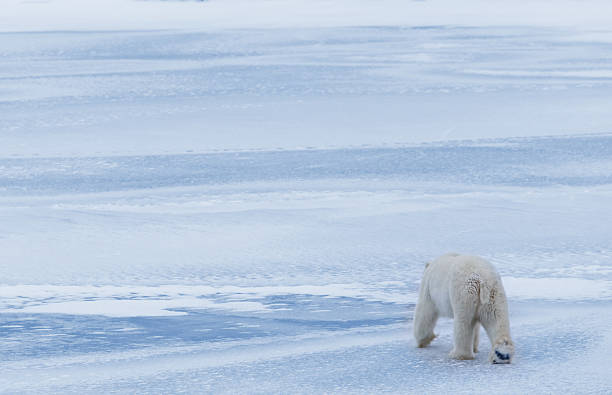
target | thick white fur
[{"x": 469, "y": 290}]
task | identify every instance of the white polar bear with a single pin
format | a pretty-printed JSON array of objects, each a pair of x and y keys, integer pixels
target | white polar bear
[{"x": 468, "y": 289}]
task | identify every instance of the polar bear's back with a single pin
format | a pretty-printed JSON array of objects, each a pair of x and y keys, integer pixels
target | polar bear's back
[{"x": 466, "y": 274}]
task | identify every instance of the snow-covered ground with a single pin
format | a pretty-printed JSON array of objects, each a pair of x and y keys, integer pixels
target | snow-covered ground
[{"x": 233, "y": 196}]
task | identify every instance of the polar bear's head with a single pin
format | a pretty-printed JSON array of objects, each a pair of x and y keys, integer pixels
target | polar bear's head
[{"x": 502, "y": 351}]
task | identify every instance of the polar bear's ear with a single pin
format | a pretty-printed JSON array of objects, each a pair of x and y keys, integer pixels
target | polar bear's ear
[{"x": 427, "y": 265}]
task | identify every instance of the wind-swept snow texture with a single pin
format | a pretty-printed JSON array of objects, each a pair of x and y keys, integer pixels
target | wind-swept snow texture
[{"x": 240, "y": 197}]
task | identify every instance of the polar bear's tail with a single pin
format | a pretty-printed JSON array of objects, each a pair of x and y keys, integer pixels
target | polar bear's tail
[{"x": 486, "y": 292}]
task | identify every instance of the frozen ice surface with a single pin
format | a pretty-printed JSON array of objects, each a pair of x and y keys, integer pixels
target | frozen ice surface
[
  {"x": 248, "y": 208},
  {"x": 297, "y": 271},
  {"x": 101, "y": 93}
]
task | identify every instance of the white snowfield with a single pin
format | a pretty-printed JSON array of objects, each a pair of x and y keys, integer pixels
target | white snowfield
[
  {"x": 240, "y": 196},
  {"x": 65, "y": 15}
]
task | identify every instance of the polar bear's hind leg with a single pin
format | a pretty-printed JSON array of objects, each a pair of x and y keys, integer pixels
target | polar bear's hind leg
[
  {"x": 465, "y": 322},
  {"x": 502, "y": 351},
  {"x": 501, "y": 356},
  {"x": 463, "y": 333},
  {"x": 476, "y": 337}
]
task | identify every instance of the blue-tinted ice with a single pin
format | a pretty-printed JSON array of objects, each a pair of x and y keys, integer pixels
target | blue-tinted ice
[{"x": 250, "y": 211}]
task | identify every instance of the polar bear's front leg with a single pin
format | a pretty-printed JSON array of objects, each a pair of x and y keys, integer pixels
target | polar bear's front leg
[{"x": 425, "y": 318}]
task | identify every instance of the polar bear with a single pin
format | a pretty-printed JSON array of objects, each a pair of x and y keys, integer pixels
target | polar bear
[{"x": 469, "y": 290}]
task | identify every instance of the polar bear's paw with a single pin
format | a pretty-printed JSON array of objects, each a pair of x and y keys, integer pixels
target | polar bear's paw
[
  {"x": 502, "y": 351},
  {"x": 461, "y": 355},
  {"x": 425, "y": 341}
]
